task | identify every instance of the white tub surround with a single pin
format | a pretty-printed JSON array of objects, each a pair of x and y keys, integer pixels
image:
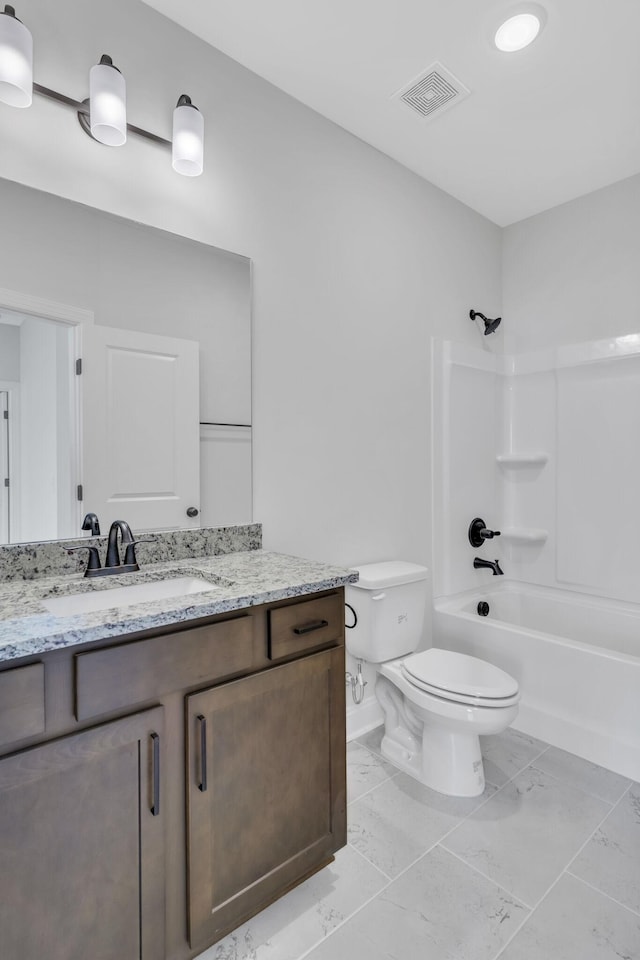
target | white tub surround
[
  {"x": 576, "y": 659},
  {"x": 541, "y": 446}
]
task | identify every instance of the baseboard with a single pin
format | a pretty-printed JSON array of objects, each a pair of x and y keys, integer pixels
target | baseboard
[{"x": 362, "y": 717}]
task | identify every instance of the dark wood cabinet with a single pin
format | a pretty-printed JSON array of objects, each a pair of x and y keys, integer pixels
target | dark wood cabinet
[
  {"x": 266, "y": 802},
  {"x": 82, "y": 845},
  {"x": 105, "y": 851}
]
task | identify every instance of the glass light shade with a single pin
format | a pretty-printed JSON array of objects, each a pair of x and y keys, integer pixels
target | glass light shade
[
  {"x": 517, "y": 32},
  {"x": 188, "y": 140},
  {"x": 16, "y": 61},
  {"x": 108, "y": 104}
]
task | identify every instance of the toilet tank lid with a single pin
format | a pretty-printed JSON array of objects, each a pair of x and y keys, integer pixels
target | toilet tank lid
[{"x": 375, "y": 576}]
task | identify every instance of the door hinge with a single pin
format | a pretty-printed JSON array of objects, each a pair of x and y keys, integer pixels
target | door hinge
[
  {"x": 6, "y": 481},
  {"x": 80, "y": 492},
  {"x": 5, "y": 414},
  {"x": 78, "y": 366}
]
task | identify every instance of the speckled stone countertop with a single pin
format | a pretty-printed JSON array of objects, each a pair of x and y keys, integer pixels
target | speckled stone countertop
[{"x": 237, "y": 580}]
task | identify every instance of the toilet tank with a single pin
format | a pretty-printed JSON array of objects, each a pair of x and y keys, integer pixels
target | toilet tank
[{"x": 389, "y": 601}]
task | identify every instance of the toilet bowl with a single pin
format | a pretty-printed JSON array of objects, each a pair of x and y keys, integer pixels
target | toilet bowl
[{"x": 436, "y": 703}]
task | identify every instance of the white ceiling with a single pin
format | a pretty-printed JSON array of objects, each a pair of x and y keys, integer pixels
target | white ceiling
[{"x": 557, "y": 120}]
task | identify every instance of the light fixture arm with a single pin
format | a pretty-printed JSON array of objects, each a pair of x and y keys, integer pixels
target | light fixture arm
[{"x": 81, "y": 107}]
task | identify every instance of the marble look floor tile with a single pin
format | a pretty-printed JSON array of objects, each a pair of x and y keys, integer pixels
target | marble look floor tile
[
  {"x": 307, "y": 914},
  {"x": 574, "y": 922},
  {"x": 526, "y": 834},
  {"x": 349, "y": 942},
  {"x": 580, "y": 773},
  {"x": 364, "y": 770},
  {"x": 400, "y": 820},
  {"x": 611, "y": 859},
  {"x": 373, "y": 740},
  {"x": 507, "y": 754},
  {"x": 439, "y": 908}
]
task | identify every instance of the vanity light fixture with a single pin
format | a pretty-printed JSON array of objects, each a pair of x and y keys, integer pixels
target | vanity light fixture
[
  {"x": 521, "y": 28},
  {"x": 188, "y": 138},
  {"x": 107, "y": 103},
  {"x": 16, "y": 60},
  {"x": 103, "y": 116}
]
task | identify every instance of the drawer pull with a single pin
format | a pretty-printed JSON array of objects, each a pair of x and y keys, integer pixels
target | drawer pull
[
  {"x": 310, "y": 627},
  {"x": 155, "y": 760},
  {"x": 203, "y": 753}
]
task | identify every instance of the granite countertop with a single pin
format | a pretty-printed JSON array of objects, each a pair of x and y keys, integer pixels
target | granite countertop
[{"x": 237, "y": 580}]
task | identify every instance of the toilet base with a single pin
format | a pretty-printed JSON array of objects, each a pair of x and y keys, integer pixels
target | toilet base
[{"x": 443, "y": 760}]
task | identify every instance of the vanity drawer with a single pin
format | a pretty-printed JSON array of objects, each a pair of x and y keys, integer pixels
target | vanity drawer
[
  {"x": 21, "y": 703},
  {"x": 299, "y": 627},
  {"x": 129, "y": 673}
]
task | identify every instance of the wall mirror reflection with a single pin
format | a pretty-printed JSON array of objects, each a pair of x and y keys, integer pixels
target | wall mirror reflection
[{"x": 125, "y": 373}]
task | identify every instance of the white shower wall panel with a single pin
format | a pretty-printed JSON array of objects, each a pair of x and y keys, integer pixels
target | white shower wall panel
[
  {"x": 598, "y": 477},
  {"x": 546, "y": 447},
  {"x": 528, "y": 490},
  {"x": 468, "y": 393}
]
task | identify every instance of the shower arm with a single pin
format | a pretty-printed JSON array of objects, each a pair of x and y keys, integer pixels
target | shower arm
[{"x": 490, "y": 326}]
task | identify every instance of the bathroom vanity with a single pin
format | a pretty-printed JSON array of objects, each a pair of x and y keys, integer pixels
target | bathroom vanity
[{"x": 167, "y": 769}]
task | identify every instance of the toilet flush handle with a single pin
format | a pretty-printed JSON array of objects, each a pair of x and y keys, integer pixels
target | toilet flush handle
[{"x": 379, "y": 596}]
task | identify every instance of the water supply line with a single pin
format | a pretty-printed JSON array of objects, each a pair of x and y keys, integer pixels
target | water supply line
[{"x": 358, "y": 683}]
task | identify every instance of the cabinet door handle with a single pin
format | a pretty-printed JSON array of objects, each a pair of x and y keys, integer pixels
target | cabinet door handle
[
  {"x": 155, "y": 775},
  {"x": 203, "y": 753},
  {"x": 310, "y": 627}
]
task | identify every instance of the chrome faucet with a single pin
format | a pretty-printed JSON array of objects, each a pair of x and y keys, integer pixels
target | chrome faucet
[
  {"x": 113, "y": 565},
  {"x": 479, "y": 564}
]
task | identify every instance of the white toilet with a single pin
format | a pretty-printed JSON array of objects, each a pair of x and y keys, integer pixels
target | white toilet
[{"x": 436, "y": 703}]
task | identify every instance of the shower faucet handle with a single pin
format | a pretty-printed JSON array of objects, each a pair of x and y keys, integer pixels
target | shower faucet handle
[{"x": 478, "y": 532}]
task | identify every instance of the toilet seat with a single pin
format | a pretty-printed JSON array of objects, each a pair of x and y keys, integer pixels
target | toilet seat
[{"x": 460, "y": 678}]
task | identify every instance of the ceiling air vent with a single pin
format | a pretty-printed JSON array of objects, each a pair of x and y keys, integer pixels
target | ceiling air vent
[{"x": 434, "y": 91}]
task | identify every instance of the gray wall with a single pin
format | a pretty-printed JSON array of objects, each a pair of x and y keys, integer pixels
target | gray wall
[
  {"x": 573, "y": 273},
  {"x": 357, "y": 263},
  {"x": 9, "y": 351}
]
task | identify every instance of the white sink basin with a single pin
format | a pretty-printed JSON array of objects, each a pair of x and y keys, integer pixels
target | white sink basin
[{"x": 95, "y": 600}]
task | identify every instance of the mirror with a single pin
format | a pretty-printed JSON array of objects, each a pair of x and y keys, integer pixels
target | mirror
[{"x": 66, "y": 269}]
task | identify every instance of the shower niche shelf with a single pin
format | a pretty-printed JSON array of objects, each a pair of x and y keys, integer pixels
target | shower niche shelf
[
  {"x": 515, "y": 460},
  {"x": 525, "y": 535}
]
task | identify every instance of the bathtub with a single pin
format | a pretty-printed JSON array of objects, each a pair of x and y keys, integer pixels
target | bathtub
[{"x": 576, "y": 658}]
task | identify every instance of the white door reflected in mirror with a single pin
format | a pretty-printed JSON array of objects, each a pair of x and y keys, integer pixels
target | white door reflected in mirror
[
  {"x": 140, "y": 428},
  {"x": 137, "y": 401}
]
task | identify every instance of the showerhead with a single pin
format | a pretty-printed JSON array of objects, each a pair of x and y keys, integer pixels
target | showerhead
[{"x": 490, "y": 326}]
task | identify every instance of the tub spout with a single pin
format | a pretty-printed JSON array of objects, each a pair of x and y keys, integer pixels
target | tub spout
[{"x": 494, "y": 565}]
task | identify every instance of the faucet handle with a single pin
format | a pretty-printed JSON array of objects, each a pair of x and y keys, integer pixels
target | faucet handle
[
  {"x": 94, "y": 558},
  {"x": 478, "y": 532},
  {"x": 130, "y": 552}
]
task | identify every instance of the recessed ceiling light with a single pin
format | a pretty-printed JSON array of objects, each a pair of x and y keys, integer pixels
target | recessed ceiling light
[{"x": 520, "y": 29}]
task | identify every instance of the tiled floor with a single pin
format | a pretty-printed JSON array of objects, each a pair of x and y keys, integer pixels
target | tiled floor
[{"x": 544, "y": 866}]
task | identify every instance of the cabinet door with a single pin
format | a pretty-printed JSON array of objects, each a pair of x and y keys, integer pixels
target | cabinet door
[
  {"x": 266, "y": 788},
  {"x": 81, "y": 846}
]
